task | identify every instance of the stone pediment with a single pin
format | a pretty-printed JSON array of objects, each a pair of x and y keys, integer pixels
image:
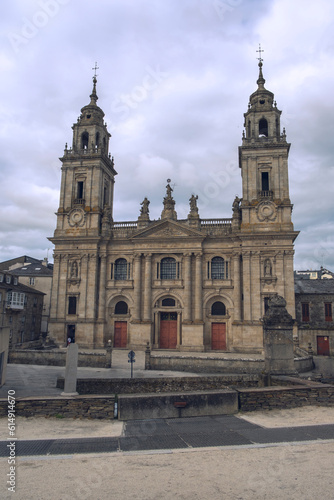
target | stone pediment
[{"x": 168, "y": 229}]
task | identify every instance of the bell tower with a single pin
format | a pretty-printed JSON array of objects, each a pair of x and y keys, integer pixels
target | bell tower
[
  {"x": 263, "y": 159},
  {"x": 87, "y": 187},
  {"x": 84, "y": 220}
]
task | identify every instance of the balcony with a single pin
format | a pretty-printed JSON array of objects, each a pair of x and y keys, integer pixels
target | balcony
[
  {"x": 79, "y": 202},
  {"x": 267, "y": 195}
]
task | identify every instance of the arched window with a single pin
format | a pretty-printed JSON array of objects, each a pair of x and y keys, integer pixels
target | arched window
[
  {"x": 263, "y": 127},
  {"x": 168, "y": 269},
  {"x": 217, "y": 268},
  {"x": 97, "y": 140},
  {"x": 168, "y": 302},
  {"x": 121, "y": 307},
  {"x": 84, "y": 140},
  {"x": 121, "y": 269},
  {"x": 218, "y": 309}
]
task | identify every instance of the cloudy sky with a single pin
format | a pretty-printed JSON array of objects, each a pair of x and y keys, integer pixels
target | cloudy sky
[{"x": 174, "y": 80}]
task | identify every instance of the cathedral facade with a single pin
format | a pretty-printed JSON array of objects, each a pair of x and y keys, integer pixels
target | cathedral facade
[{"x": 192, "y": 284}]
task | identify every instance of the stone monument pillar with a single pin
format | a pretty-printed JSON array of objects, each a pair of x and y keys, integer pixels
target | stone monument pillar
[
  {"x": 278, "y": 338},
  {"x": 70, "y": 386}
]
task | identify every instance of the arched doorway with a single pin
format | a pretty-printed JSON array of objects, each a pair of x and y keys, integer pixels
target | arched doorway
[
  {"x": 167, "y": 323},
  {"x": 120, "y": 326},
  {"x": 168, "y": 330},
  {"x": 218, "y": 328}
]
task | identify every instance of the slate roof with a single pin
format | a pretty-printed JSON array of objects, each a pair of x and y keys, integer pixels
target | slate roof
[
  {"x": 324, "y": 286},
  {"x": 19, "y": 288},
  {"x": 5, "y": 265},
  {"x": 32, "y": 270}
]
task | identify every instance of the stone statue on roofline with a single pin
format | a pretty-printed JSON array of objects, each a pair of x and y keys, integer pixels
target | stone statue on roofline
[{"x": 144, "y": 207}]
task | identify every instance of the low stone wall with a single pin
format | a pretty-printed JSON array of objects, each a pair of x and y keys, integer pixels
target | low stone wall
[
  {"x": 70, "y": 407},
  {"x": 188, "y": 404},
  {"x": 57, "y": 357},
  {"x": 161, "y": 385},
  {"x": 200, "y": 364},
  {"x": 207, "y": 402},
  {"x": 270, "y": 398},
  {"x": 324, "y": 365},
  {"x": 304, "y": 364}
]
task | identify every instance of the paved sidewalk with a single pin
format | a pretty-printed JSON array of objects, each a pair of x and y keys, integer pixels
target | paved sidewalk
[
  {"x": 174, "y": 434},
  {"x": 41, "y": 380}
]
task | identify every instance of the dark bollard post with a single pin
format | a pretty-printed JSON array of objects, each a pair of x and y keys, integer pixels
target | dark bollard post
[
  {"x": 109, "y": 355},
  {"x": 131, "y": 360},
  {"x": 148, "y": 357}
]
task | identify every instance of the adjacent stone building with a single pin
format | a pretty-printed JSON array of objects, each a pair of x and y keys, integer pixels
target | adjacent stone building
[
  {"x": 38, "y": 275},
  {"x": 191, "y": 284},
  {"x": 314, "y": 314},
  {"x": 21, "y": 310}
]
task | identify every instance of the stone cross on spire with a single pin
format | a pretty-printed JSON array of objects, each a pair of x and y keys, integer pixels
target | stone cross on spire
[
  {"x": 260, "y": 52},
  {"x": 95, "y": 68},
  {"x": 93, "y": 96},
  {"x": 261, "y": 81}
]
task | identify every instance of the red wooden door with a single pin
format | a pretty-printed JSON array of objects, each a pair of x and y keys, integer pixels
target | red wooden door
[
  {"x": 168, "y": 334},
  {"x": 120, "y": 336},
  {"x": 323, "y": 346},
  {"x": 218, "y": 336}
]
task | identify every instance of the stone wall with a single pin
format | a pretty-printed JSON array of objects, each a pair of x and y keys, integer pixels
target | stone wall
[
  {"x": 69, "y": 407},
  {"x": 4, "y": 344},
  {"x": 202, "y": 364},
  {"x": 296, "y": 393},
  {"x": 188, "y": 404},
  {"x": 270, "y": 398},
  {"x": 210, "y": 364},
  {"x": 57, "y": 357},
  {"x": 324, "y": 365},
  {"x": 161, "y": 385}
]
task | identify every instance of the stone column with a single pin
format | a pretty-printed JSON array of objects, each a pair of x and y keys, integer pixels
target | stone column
[
  {"x": 289, "y": 289},
  {"x": 179, "y": 336},
  {"x": 54, "y": 309},
  {"x": 255, "y": 286},
  {"x": 84, "y": 279},
  {"x": 246, "y": 278},
  {"x": 62, "y": 297},
  {"x": 102, "y": 288},
  {"x": 198, "y": 289},
  {"x": 156, "y": 339},
  {"x": 148, "y": 357},
  {"x": 148, "y": 288},
  {"x": 236, "y": 287},
  {"x": 279, "y": 269},
  {"x": 70, "y": 384},
  {"x": 187, "y": 287},
  {"x": 91, "y": 286},
  {"x": 137, "y": 287}
]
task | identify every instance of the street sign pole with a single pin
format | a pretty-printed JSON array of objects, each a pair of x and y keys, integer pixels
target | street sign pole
[{"x": 131, "y": 360}]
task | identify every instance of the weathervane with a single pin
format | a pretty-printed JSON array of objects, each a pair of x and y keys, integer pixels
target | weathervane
[{"x": 260, "y": 52}]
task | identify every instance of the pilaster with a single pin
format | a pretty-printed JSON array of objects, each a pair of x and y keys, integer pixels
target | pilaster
[
  {"x": 187, "y": 287},
  {"x": 236, "y": 287},
  {"x": 198, "y": 288},
  {"x": 148, "y": 288},
  {"x": 137, "y": 288},
  {"x": 246, "y": 277}
]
